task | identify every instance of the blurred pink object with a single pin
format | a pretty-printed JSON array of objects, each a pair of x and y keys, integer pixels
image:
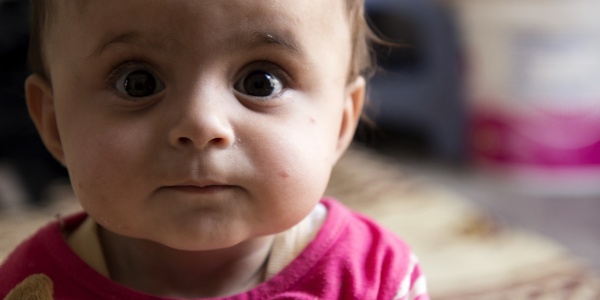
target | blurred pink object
[{"x": 534, "y": 86}]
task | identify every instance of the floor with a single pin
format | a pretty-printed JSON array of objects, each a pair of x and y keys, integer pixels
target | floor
[{"x": 564, "y": 209}]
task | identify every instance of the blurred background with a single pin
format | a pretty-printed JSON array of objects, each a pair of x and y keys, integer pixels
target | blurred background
[
  {"x": 498, "y": 100},
  {"x": 26, "y": 168}
]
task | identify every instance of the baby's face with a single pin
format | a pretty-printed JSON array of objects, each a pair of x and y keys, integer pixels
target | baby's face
[{"x": 201, "y": 124}]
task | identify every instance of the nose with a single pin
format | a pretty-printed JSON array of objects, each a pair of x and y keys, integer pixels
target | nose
[{"x": 202, "y": 123}]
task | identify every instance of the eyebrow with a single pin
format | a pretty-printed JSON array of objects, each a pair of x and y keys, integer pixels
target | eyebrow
[
  {"x": 126, "y": 38},
  {"x": 255, "y": 39}
]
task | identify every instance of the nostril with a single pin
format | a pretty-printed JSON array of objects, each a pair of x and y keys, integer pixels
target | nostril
[
  {"x": 184, "y": 141},
  {"x": 217, "y": 141}
]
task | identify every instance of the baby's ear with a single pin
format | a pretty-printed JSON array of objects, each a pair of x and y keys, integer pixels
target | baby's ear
[
  {"x": 353, "y": 104},
  {"x": 40, "y": 102}
]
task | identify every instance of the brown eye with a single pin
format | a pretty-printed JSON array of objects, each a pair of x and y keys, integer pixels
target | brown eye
[
  {"x": 260, "y": 84},
  {"x": 139, "y": 83}
]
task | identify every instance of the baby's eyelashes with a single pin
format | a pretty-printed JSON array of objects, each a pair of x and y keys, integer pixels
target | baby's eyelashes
[
  {"x": 135, "y": 80},
  {"x": 262, "y": 84},
  {"x": 259, "y": 84},
  {"x": 139, "y": 83}
]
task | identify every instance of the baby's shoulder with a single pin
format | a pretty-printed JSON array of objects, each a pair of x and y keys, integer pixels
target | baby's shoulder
[
  {"x": 359, "y": 231},
  {"x": 355, "y": 255},
  {"x": 40, "y": 262}
]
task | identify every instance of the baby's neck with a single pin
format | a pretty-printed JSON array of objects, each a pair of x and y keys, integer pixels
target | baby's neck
[{"x": 162, "y": 271}]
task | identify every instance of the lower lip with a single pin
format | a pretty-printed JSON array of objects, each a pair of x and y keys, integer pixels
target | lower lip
[{"x": 210, "y": 189}]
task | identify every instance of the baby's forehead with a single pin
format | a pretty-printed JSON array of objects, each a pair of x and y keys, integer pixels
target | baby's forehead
[
  {"x": 83, "y": 6},
  {"x": 254, "y": 19},
  {"x": 60, "y": 6},
  {"x": 248, "y": 14}
]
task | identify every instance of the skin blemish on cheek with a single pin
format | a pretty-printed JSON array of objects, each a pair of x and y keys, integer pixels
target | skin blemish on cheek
[
  {"x": 80, "y": 186},
  {"x": 283, "y": 174}
]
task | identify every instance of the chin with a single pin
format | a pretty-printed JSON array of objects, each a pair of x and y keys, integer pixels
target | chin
[{"x": 200, "y": 243}]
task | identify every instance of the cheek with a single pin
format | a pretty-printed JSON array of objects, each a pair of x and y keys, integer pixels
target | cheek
[
  {"x": 98, "y": 148},
  {"x": 301, "y": 175},
  {"x": 107, "y": 174},
  {"x": 297, "y": 156},
  {"x": 103, "y": 159}
]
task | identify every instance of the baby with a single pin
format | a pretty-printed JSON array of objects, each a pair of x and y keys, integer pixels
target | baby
[{"x": 199, "y": 137}]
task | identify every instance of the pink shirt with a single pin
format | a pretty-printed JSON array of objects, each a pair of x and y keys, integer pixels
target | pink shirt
[{"x": 351, "y": 257}]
